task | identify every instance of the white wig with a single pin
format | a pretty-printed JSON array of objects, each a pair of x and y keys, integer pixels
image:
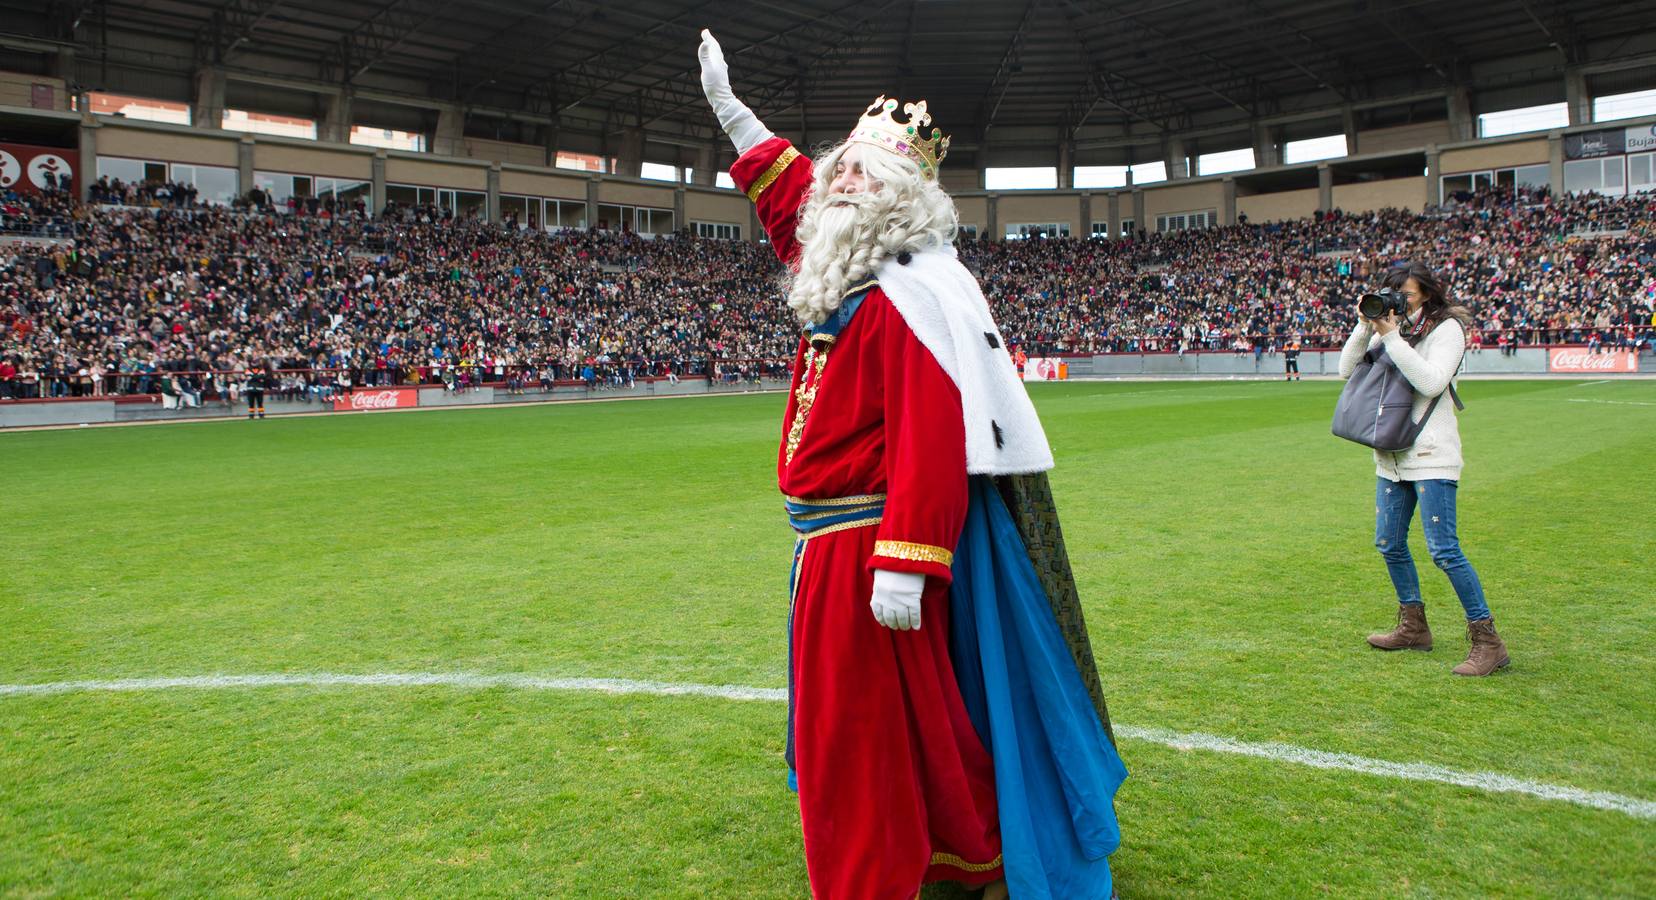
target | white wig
[{"x": 844, "y": 237}]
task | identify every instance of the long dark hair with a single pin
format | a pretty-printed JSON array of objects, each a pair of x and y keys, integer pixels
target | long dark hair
[{"x": 1437, "y": 306}]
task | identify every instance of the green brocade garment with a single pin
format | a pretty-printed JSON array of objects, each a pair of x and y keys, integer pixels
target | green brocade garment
[{"x": 1029, "y": 498}]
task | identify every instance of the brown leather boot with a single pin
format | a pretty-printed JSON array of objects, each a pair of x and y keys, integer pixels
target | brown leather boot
[
  {"x": 1411, "y": 632},
  {"x": 1488, "y": 651}
]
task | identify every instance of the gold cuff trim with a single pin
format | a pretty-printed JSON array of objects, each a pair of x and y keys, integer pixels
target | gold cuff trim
[
  {"x": 859, "y": 500},
  {"x": 914, "y": 552},
  {"x": 843, "y": 526},
  {"x": 771, "y": 174},
  {"x": 953, "y": 861}
]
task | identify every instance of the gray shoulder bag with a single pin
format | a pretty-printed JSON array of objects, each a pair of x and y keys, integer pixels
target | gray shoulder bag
[{"x": 1374, "y": 405}]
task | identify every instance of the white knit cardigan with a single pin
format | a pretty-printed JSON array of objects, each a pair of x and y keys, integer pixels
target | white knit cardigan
[{"x": 1431, "y": 367}]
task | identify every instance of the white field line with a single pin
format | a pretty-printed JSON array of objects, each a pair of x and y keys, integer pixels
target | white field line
[
  {"x": 1288, "y": 753},
  {"x": 1591, "y": 383},
  {"x": 1615, "y": 402}
]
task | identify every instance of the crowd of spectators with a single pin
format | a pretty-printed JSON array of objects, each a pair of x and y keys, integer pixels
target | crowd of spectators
[{"x": 158, "y": 293}]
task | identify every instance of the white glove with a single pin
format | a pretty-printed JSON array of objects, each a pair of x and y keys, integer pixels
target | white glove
[
  {"x": 896, "y": 601},
  {"x": 744, "y": 128}
]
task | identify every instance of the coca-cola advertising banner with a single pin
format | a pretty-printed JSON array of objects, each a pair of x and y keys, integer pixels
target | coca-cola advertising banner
[
  {"x": 26, "y": 169},
  {"x": 1577, "y": 359},
  {"x": 378, "y": 398}
]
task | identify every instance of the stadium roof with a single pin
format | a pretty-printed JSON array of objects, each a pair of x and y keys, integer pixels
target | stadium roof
[{"x": 1017, "y": 72}]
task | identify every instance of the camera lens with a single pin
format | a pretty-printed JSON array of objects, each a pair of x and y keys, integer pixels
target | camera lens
[{"x": 1372, "y": 306}]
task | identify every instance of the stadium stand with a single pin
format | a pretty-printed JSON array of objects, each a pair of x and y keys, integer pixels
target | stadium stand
[{"x": 161, "y": 294}]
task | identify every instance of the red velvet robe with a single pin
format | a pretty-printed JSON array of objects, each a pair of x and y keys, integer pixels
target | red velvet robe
[{"x": 895, "y": 787}]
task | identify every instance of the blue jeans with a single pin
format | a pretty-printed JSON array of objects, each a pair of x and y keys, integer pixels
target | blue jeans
[{"x": 1394, "y": 503}]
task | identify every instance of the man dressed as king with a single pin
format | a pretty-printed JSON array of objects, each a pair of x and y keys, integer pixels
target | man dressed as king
[{"x": 945, "y": 719}]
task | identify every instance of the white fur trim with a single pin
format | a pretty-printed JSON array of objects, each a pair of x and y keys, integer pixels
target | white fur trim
[{"x": 943, "y": 305}]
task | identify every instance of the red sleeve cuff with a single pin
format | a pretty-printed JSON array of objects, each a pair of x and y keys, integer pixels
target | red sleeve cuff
[
  {"x": 905, "y": 556},
  {"x": 759, "y": 168}
]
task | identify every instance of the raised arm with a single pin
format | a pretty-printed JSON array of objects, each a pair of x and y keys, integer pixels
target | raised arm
[{"x": 774, "y": 175}]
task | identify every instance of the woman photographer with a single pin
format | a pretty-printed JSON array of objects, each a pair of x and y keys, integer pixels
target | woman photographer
[{"x": 1427, "y": 346}]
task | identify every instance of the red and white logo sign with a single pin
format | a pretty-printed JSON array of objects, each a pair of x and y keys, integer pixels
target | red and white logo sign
[
  {"x": 383, "y": 398},
  {"x": 24, "y": 168},
  {"x": 1042, "y": 368},
  {"x": 1577, "y": 359}
]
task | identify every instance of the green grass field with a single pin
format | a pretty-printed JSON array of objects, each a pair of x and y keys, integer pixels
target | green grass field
[{"x": 1221, "y": 537}]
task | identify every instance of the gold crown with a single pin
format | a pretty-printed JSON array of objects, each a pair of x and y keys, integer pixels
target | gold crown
[{"x": 915, "y": 139}]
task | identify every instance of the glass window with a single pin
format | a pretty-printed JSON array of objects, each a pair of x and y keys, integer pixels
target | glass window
[
  {"x": 409, "y": 195},
  {"x": 612, "y": 217},
  {"x": 653, "y": 221},
  {"x": 1623, "y": 106},
  {"x": 1100, "y": 229},
  {"x": 720, "y": 230},
  {"x": 967, "y": 231},
  {"x": 1019, "y": 178},
  {"x": 1530, "y": 118},
  {"x": 127, "y": 170},
  {"x": 1100, "y": 176},
  {"x": 1018, "y": 231},
  {"x": 213, "y": 184},
  {"x": 1329, "y": 147},
  {"x": 1225, "y": 161},
  {"x": 724, "y": 180},
  {"x": 1599, "y": 176},
  {"x": 1641, "y": 172},
  {"x": 1482, "y": 180},
  {"x": 1127, "y": 227},
  {"x": 1532, "y": 176},
  {"x": 565, "y": 214},
  {"x": 1453, "y": 184}
]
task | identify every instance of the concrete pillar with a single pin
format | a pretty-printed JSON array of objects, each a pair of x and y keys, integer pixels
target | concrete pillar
[
  {"x": 377, "y": 173},
  {"x": 336, "y": 119},
  {"x": 1176, "y": 156},
  {"x": 992, "y": 213},
  {"x": 1138, "y": 212},
  {"x": 1066, "y": 164},
  {"x": 1576, "y": 98},
  {"x": 1348, "y": 124},
  {"x": 244, "y": 164},
  {"x": 680, "y": 223},
  {"x": 450, "y": 139},
  {"x": 1434, "y": 177},
  {"x": 629, "y": 159},
  {"x": 1463, "y": 126},
  {"x": 1086, "y": 214},
  {"x": 1227, "y": 212},
  {"x": 208, "y": 109},
  {"x": 63, "y": 66},
  {"x": 1115, "y": 215},
  {"x": 592, "y": 204},
  {"x": 547, "y": 137},
  {"x": 1267, "y": 152},
  {"x": 87, "y": 163},
  {"x": 755, "y": 229},
  {"x": 1555, "y": 162},
  {"x": 706, "y": 167},
  {"x": 1325, "y": 188},
  {"x": 492, "y": 186}
]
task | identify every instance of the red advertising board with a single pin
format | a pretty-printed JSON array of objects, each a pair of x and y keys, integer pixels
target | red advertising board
[
  {"x": 378, "y": 398},
  {"x": 25, "y": 168},
  {"x": 1577, "y": 359}
]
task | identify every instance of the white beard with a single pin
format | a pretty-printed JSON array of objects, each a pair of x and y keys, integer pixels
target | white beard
[{"x": 840, "y": 237}]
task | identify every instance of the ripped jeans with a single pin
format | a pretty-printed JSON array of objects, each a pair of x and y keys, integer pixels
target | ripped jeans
[{"x": 1394, "y": 503}]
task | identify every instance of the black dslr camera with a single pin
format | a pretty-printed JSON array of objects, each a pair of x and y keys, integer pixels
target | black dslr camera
[{"x": 1375, "y": 304}]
